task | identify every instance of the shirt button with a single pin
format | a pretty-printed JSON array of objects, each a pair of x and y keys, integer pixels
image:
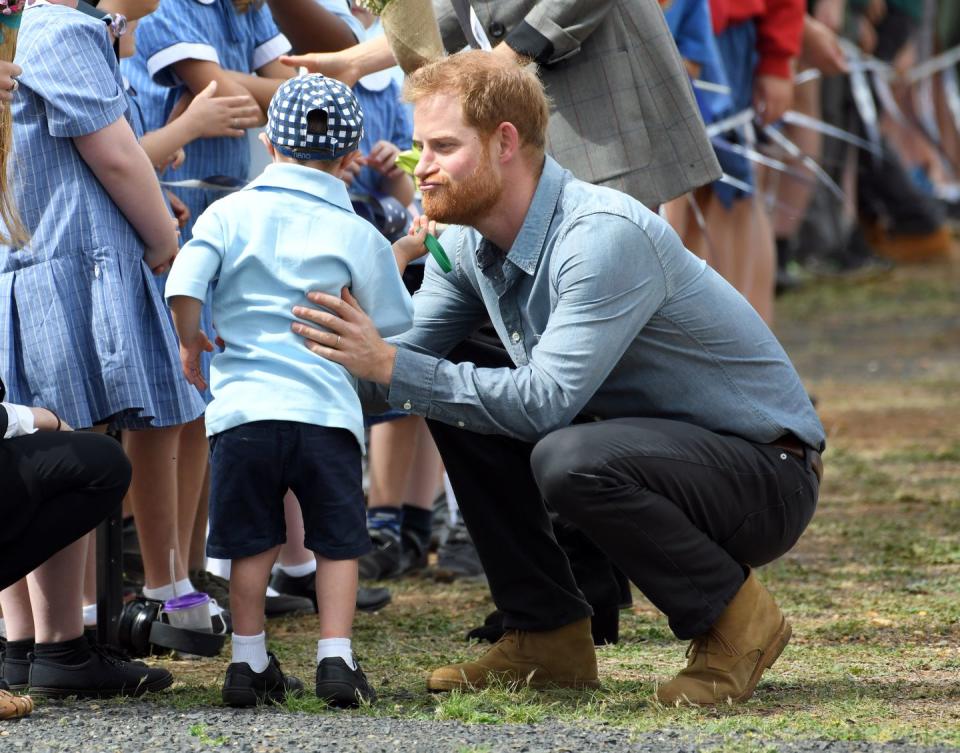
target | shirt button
[
  {"x": 783, "y": 456},
  {"x": 407, "y": 405},
  {"x": 496, "y": 29},
  {"x": 515, "y": 337},
  {"x": 461, "y": 424}
]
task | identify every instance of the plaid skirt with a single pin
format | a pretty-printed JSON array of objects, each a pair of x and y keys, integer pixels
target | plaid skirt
[{"x": 89, "y": 336}]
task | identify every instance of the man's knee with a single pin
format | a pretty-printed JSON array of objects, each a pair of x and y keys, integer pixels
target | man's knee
[{"x": 561, "y": 469}]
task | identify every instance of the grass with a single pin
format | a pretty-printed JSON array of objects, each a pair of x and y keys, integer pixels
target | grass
[{"x": 872, "y": 589}]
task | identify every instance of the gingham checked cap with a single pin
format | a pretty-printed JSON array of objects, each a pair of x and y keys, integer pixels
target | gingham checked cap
[{"x": 296, "y": 133}]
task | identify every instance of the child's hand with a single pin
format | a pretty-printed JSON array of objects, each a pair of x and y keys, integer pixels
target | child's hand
[
  {"x": 181, "y": 211},
  {"x": 412, "y": 246},
  {"x": 214, "y": 116},
  {"x": 352, "y": 166},
  {"x": 383, "y": 159},
  {"x": 190, "y": 359}
]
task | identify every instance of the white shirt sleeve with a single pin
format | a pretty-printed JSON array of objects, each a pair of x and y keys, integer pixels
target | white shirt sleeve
[{"x": 19, "y": 421}]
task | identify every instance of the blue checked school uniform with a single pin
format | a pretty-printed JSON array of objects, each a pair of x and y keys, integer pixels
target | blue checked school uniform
[
  {"x": 82, "y": 328},
  {"x": 282, "y": 417}
]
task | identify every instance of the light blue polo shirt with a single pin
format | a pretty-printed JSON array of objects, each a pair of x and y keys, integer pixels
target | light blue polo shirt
[{"x": 290, "y": 231}]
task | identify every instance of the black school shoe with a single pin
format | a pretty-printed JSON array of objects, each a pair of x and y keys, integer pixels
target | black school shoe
[
  {"x": 368, "y": 599},
  {"x": 242, "y": 687},
  {"x": 341, "y": 686},
  {"x": 104, "y": 674}
]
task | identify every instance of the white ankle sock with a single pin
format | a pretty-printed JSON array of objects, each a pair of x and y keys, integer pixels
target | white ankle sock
[
  {"x": 298, "y": 571},
  {"x": 327, "y": 647},
  {"x": 166, "y": 592},
  {"x": 89, "y": 615},
  {"x": 251, "y": 649}
]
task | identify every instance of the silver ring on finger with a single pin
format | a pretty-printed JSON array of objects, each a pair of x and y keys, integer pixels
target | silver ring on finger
[
  {"x": 15, "y": 85},
  {"x": 338, "y": 341}
]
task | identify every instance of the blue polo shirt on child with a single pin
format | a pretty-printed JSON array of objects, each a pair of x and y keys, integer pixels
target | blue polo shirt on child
[{"x": 290, "y": 231}]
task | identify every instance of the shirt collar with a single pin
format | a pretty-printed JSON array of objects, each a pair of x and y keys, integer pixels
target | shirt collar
[
  {"x": 528, "y": 245},
  {"x": 291, "y": 177}
]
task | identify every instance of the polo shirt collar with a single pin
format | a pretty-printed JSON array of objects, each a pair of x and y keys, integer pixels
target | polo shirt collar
[
  {"x": 528, "y": 245},
  {"x": 291, "y": 177}
]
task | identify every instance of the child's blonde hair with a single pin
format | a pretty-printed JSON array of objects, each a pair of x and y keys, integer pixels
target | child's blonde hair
[{"x": 14, "y": 234}]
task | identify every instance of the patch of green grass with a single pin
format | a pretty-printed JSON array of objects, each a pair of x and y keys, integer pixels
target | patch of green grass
[{"x": 199, "y": 731}]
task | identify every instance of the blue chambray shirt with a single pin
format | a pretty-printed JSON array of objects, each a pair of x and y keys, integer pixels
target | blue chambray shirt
[
  {"x": 604, "y": 313},
  {"x": 289, "y": 231}
]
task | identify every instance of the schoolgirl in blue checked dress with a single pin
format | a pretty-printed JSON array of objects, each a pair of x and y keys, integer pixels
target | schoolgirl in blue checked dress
[{"x": 82, "y": 327}]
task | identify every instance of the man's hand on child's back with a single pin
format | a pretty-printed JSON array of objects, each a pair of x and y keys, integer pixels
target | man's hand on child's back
[{"x": 190, "y": 359}]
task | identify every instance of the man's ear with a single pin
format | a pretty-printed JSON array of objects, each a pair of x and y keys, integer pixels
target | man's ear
[{"x": 507, "y": 140}]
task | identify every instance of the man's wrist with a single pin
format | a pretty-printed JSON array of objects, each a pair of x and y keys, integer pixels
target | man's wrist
[{"x": 389, "y": 361}]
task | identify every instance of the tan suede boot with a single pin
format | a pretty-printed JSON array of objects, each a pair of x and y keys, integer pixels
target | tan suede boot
[
  {"x": 726, "y": 663},
  {"x": 561, "y": 658}
]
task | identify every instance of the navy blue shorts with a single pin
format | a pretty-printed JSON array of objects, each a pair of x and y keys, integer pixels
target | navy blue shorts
[{"x": 251, "y": 468}]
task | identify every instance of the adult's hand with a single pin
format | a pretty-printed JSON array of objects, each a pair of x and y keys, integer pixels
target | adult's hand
[
  {"x": 8, "y": 80},
  {"x": 333, "y": 64},
  {"x": 348, "y": 336}
]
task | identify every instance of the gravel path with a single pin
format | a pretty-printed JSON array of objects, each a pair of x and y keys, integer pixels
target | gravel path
[{"x": 80, "y": 726}]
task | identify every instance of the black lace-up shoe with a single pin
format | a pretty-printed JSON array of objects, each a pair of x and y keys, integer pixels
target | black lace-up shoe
[
  {"x": 243, "y": 687},
  {"x": 104, "y": 674},
  {"x": 341, "y": 686},
  {"x": 368, "y": 599}
]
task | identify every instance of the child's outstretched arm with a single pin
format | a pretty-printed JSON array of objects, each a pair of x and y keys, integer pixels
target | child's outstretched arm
[
  {"x": 124, "y": 170},
  {"x": 193, "y": 340},
  {"x": 197, "y": 75},
  {"x": 412, "y": 245}
]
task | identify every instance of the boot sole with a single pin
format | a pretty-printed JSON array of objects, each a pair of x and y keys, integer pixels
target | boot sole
[
  {"x": 132, "y": 692},
  {"x": 770, "y": 654}
]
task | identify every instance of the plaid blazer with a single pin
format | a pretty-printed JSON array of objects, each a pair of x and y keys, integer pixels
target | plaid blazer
[{"x": 623, "y": 112}]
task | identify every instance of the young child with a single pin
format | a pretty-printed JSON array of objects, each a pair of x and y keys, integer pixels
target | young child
[{"x": 282, "y": 418}]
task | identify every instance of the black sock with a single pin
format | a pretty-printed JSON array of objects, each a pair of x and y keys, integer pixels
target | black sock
[
  {"x": 75, "y": 651},
  {"x": 418, "y": 523},
  {"x": 18, "y": 650}
]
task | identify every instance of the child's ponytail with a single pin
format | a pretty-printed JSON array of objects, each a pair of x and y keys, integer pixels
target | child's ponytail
[{"x": 14, "y": 234}]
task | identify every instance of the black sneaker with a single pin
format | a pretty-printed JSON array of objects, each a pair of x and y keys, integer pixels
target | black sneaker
[
  {"x": 242, "y": 687},
  {"x": 368, "y": 599},
  {"x": 104, "y": 674},
  {"x": 286, "y": 605},
  {"x": 15, "y": 672},
  {"x": 386, "y": 558},
  {"x": 457, "y": 559},
  {"x": 341, "y": 686}
]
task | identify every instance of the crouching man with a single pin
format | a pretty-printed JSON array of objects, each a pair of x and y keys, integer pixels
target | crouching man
[{"x": 637, "y": 395}]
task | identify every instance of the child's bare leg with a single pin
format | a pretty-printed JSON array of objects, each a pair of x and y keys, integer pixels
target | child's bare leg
[
  {"x": 293, "y": 553},
  {"x": 336, "y": 596},
  {"x": 17, "y": 611},
  {"x": 192, "y": 452},
  {"x": 248, "y": 588},
  {"x": 153, "y": 494}
]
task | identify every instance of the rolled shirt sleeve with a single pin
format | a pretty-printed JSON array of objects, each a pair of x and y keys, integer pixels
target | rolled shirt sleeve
[{"x": 16, "y": 420}]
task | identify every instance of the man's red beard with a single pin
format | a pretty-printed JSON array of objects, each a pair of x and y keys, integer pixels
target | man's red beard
[{"x": 466, "y": 201}]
